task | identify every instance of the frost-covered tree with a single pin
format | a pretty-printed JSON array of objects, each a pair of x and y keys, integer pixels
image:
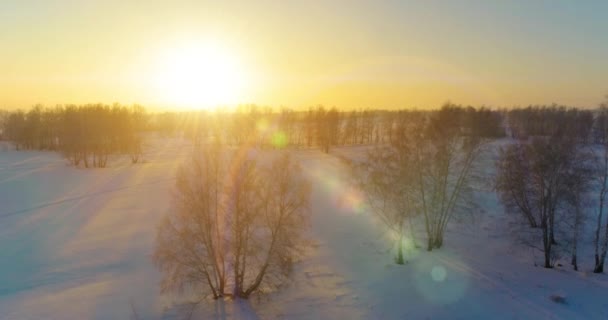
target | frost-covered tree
[{"x": 235, "y": 227}]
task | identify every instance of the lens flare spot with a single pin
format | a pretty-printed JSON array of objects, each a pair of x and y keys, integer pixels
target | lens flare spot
[
  {"x": 352, "y": 200},
  {"x": 432, "y": 280},
  {"x": 438, "y": 273},
  {"x": 343, "y": 194},
  {"x": 408, "y": 244},
  {"x": 279, "y": 140}
]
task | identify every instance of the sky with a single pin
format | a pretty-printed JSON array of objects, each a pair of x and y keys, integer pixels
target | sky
[{"x": 348, "y": 54}]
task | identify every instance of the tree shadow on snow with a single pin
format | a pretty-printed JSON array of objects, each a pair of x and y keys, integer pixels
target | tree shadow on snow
[{"x": 216, "y": 310}]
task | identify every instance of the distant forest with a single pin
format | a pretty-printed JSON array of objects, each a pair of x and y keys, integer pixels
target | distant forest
[{"x": 88, "y": 134}]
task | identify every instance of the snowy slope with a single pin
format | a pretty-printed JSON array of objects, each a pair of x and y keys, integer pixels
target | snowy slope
[{"x": 75, "y": 244}]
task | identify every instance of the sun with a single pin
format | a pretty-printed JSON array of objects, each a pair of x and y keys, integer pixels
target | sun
[{"x": 200, "y": 76}]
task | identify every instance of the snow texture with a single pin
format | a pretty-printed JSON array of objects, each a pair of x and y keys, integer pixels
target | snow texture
[{"x": 76, "y": 244}]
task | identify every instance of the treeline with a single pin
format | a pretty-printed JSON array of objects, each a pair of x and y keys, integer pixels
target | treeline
[
  {"x": 551, "y": 120},
  {"x": 317, "y": 127},
  {"x": 85, "y": 134}
]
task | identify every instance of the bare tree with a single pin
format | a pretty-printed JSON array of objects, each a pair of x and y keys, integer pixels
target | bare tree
[
  {"x": 387, "y": 178},
  {"x": 231, "y": 213},
  {"x": 576, "y": 200},
  {"x": 426, "y": 169},
  {"x": 284, "y": 215},
  {"x": 578, "y": 218},
  {"x": 191, "y": 240},
  {"x": 512, "y": 183},
  {"x": 601, "y": 238},
  {"x": 537, "y": 179},
  {"x": 444, "y": 158}
]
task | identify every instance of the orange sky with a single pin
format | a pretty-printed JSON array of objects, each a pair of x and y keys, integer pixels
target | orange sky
[{"x": 350, "y": 54}]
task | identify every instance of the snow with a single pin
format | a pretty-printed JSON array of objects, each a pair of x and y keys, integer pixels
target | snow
[{"x": 76, "y": 244}]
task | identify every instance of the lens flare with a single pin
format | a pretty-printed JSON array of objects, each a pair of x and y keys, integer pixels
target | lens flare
[
  {"x": 279, "y": 140},
  {"x": 439, "y": 280},
  {"x": 438, "y": 273},
  {"x": 344, "y": 195}
]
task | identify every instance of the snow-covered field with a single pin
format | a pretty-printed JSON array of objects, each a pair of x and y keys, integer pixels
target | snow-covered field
[{"x": 76, "y": 244}]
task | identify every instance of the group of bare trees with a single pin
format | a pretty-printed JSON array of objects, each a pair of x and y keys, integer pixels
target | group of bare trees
[
  {"x": 424, "y": 170},
  {"x": 555, "y": 176},
  {"x": 85, "y": 134},
  {"x": 445, "y": 156},
  {"x": 235, "y": 227},
  {"x": 548, "y": 120},
  {"x": 544, "y": 179},
  {"x": 313, "y": 128}
]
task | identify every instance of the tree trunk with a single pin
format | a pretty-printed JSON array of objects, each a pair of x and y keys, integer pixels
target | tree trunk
[
  {"x": 596, "y": 240},
  {"x": 399, "y": 259},
  {"x": 547, "y": 245},
  {"x": 599, "y": 265},
  {"x": 413, "y": 235},
  {"x": 548, "y": 260},
  {"x": 599, "y": 260},
  {"x": 600, "y": 257},
  {"x": 551, "y": 226},
  {"x": 577, "y": 222},
  {"x": 438, "y": 241}
]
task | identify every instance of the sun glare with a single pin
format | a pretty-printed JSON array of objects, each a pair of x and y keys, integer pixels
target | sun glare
[{"x": 200, "y": 77}]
